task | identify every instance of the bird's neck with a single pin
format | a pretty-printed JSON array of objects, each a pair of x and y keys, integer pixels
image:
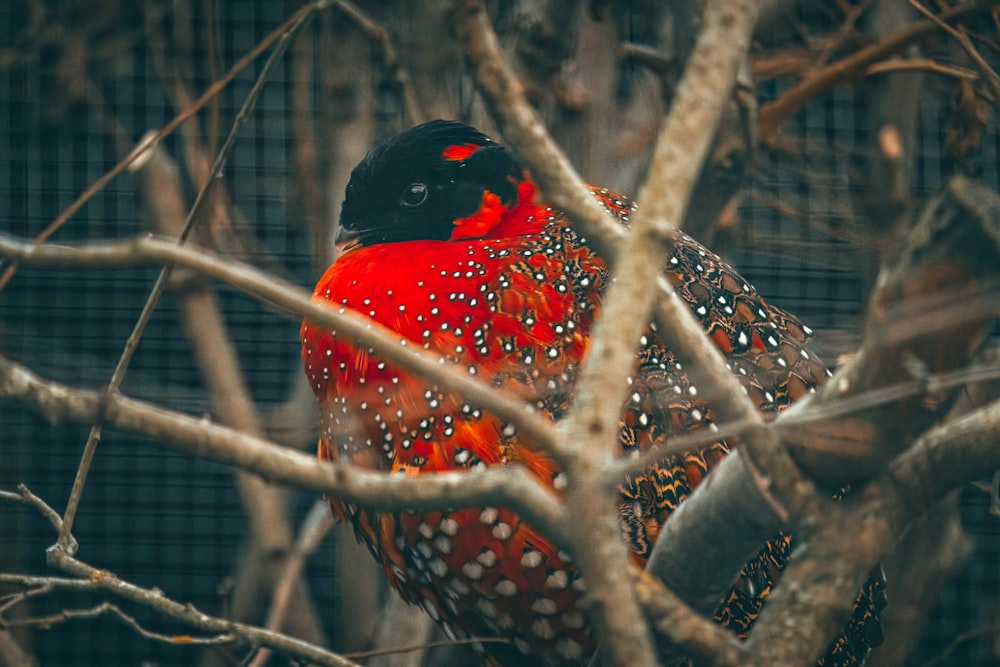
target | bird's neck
[{"x": 494, "y": 219}]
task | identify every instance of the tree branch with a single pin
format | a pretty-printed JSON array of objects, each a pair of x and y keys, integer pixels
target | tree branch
[
  {"x": 509, "y": 486},
  {"x": 89, "y": 578},
  {"x": 295, "y": 300},
  {"x": 773, "y": 114},
  {"x": 818, "y": 588}
]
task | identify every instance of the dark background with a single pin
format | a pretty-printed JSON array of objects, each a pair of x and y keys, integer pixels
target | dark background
[{"x": 158, "y": 518}]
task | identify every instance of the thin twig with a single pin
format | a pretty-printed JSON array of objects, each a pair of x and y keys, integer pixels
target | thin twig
[
  {"x": 89, "y": 578},
  {"x": 94, "y": 438},
  {"x": 153, "y": 139},
  {"x": 106, "y": 608},
  {"x": 921, "y": 65}
]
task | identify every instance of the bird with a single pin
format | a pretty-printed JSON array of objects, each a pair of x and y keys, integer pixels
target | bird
[{"x": 445, "y": 239}]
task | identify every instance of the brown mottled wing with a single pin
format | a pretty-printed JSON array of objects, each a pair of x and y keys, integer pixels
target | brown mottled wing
[{"x": 766, "y": 349}]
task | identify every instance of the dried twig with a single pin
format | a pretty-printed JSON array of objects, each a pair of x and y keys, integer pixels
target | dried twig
[
  {"x": 89, "y": 578},
  {"x": 102, "y": 609},
  {"x": 773, "y": 114},
  {"x": 314, "y": 529},
  {"x": 508, "y": 486},
  {"x": 963, "y": 39}
]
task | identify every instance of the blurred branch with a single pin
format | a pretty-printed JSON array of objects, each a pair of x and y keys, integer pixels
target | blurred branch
[
  {"x": 395, "y": 71},
  {"x": 963, "y": 39},
  {"x": 928, "y": 555},
  {"x": 819, "y": 585},
  {"x": 773, "y": 114},
  {"x": 153, "y": 139},
  {"x": 89, "y": 578},
  {"x": 266, "y": 507},
  {"x": 312, "y": 532},
  {"x": 950, "y": 257},
  {"x": 12, "y": 654}
]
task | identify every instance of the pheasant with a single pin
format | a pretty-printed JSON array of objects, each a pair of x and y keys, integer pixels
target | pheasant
[{"x": 446, "y": 241}]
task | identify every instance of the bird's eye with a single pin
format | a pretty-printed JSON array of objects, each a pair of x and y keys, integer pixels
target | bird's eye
[{"x": 414, "y": 195}]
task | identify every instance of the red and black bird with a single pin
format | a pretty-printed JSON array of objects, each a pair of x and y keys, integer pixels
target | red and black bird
[{"x": 447, "y": 242}]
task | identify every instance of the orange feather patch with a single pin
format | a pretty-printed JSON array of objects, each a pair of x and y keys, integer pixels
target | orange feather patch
[{"x": 475, "y": 226}]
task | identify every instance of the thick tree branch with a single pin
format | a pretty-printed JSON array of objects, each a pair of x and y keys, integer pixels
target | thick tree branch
[
  {"x": 963, "y": 239},
  {"x": 931, "y": 310},
  {"x": 684, "y": 140},
  {"x": 593, "y": 423},
  {"x": 685, "y": 628},
  {"x": 523, "y": 129},
  {"x": 817, "y": 590}
]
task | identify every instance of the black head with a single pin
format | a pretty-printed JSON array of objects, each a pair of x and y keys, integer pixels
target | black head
[{"x": 416, "y": 184}]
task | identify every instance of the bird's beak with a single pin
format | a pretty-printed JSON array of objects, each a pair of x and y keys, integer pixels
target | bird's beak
[{"x": 347, "y": 239}]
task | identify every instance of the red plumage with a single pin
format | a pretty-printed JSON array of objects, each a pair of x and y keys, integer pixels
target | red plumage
[{"x": 449, "y": 245}]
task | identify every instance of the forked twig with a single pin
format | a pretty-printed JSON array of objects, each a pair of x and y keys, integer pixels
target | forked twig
[{"x": 85, "y": 577}]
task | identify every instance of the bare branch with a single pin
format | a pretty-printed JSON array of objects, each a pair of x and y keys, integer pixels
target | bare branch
[
  {"x": 107, "y": 608},
  {"x": 958, "y": 253},
  {"x": 266, "y": 507},
  {"x": 152, "y": 140},
  {"x": 684, "y": 140},
  {"x": 952, "y": 258},
  {"x": 593, "y": 422},
  {"x": 685, "y": 628},
  {"x": 963, "y": 39},
  {"x": 509, "y": 486},
  {"x": 12, "y": 654},
  {"x": 773, "y": 114},
  {"x": 314, "y": 529},
  {"x": 293, "y": 299},
  {"x": 89, "y": 578},
  {"x": 818, "y": 587}
]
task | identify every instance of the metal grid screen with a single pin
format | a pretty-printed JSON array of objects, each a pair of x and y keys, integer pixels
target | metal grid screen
[{"x": 164, "y": 519}]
